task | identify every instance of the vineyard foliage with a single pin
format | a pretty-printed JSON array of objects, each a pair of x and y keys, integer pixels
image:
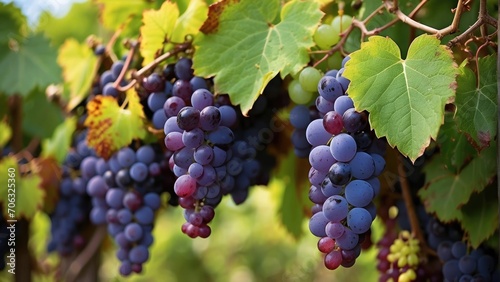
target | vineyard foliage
[{"x": 423, "y": 72}]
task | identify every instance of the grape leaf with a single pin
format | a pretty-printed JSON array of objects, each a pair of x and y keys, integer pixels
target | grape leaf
[
  {"x": 405, "y": 98},
  {"x": 246, "y": 47},
  {"x": 453, "y": 144},
  {"x": 58, "y": 145},
  {"x": 5, "y": 133},
  {"x": 79, "y": 66},
  {"x": 190, "y": 21},
  {"x": 116, "y": 13},
  {"x": 110, "y": 126},
  {"x": 35, "y": 59},
  {"x": 446, "y": 192},
  {"x": 37, "y": 108},
  {"x": 477, "y": 104},
  {"x": 160, "y": 26},
  {"x": 156, "y": 26},
  {"x": 480, "y": 216},
  {"x": 78, "y": 23},
  {"x": 12, "y": 23},
  {"x": 27, "y": 195}
]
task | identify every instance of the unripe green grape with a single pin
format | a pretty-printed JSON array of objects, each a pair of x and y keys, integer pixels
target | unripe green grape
[
  {"x": 309, "y": 78},
  {"x": 326, "y": 36},
  {"x": 341, "y": 23},
  {"x": 297, "y": 94}
]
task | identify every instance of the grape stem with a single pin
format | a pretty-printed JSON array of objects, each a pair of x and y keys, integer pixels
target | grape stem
[
  {"x": 126, "y": 65},
  {"x": 410, "y": 207},
  {"x": 86, "y": 255},
  {"x": 138, "y": 74}
]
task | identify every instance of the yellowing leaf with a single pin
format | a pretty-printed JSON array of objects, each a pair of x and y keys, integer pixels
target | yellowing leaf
[
  {"x": 5, "y": 133},
  {"x": 405, "y": 97},
  {"x": 21, "y": 196},
  {"x": 115, "y": 13},
  {"x": 79, "y": 65},
  {"x": 250, "y": 42},
  {"x": 111, "y": 126},
  {"x": 58, "y": 145},
  {"x": 190, "y": 21},
  {"x": 156, "y": 26}
]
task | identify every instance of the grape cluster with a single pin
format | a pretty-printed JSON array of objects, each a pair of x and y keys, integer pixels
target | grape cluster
[
  {"x": 345, "y": 159},
  {"x": 216, "y": 151},
  {"x": 125, "y": 194},
  {"x": 460, "y": 265},
  {"x": 71, "y": 211}
]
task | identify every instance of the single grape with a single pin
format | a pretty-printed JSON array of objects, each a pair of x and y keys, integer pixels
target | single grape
[{"x": 309, "y": 78}]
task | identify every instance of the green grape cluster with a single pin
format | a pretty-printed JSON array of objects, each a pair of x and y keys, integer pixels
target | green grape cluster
[
  {"x": 328, "y": 35},
  {"x": 404, "y": 252},
  {"x": 302, "y": 89}
]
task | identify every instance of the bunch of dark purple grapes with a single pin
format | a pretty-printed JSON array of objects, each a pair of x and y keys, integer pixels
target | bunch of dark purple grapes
[
  {"x": 346, "y": 159},
  {"x": 126, "y": 193},
  {"x": 212, "y": 155},
  {"x": 71, "y": 212}
]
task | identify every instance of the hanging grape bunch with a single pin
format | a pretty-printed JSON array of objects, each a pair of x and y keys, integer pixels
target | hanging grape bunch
[{"x": 345, "y": 159}]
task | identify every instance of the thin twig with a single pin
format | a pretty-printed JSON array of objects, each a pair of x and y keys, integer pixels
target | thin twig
[
  {"x": 86, "y": 255},
  {"x": 179, "y": 48},
  {"x": 392, "y": 7},
  {"x": 126, "y": 65}
]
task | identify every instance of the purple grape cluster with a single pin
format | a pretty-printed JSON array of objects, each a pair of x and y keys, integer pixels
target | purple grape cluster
[
  {"x": 460, "y": 263},
  {"x": 346, "y": 160},
  {"x": 126, "y": 192},
  {"x": 71, "y": 211},
  {"x": 208, "y": 159}
]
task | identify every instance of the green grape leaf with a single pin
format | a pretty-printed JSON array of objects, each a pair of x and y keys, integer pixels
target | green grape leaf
[
  {"x": 480, "y": 216},
  {"x": 5, "y": 133},
  {"x": 35, "y": 59},
  {"x": 58, "y": 145},
  {"x": 78, "y": 23},
  {"x": 446, "y": 192},
  {"x": 110, "y": 126},
  {"x": 244, "y": 45},
  {"x": 79, "y": 66},
  {"x": 21, "y": 196},
  {"x": 405, "y": 98},
  {"x": 476, "y": 101},
  {"x": 156, "y": 26},
  {"x": 37, "y": 108},
  {"x": 114, "y": 14},
  {"x": 454, "y": 145},
  {"x": 12, "y": 23}
]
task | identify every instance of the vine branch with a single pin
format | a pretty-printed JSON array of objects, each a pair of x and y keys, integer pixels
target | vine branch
[
  {"x": 483, "y": 18},
  {"x": 410, "y": 207},
  {"x": 85, "y": 256}
]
